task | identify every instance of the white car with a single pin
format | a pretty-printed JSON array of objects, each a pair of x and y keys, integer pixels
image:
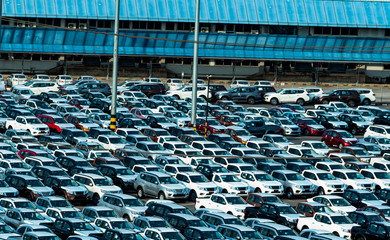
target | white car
[
  {"x": 262, "y": 182},
  {"x": 314, "y": 92},
  {"x": 326, "y": 183},
  {"x": 336, "y": 203},
  {"x": 97, "y": 185},
  {"x": 338, "y": 105},
  {"x": 339, "y": 224},
  {"x": 256, "y": 110},
  {"x": 230, "y": 183},
  {"x": 32, "y": 124},
  {"x": 38, "y": 87},
  {"x": 3, "y": 85},
  {"x": 178, "y": 118},
  {"x": 174, "y": 83},
  {"x": 151, "y": 150},
  {"x": 16, "y": 79},
  {"x": 111, "y": 142},
  {"x": 354, "y": 179},
  {"x": 367, "y": 96},
  {"x": 200, "y": 186},
  {"x": 153, "y": 80},
  {"x": 126, "y": 206},
  {"x": 317, "y": 146},
  {"x": 186, "y": 92},
  {"x": 377, "y": 131},
  {"x": 379, "y": 177},
  {"x": 288, "y": 95},
  {"x": 229, "y": 203},
  {"x": 287, "y": 126},
  {"x": 263, "y": 83},
  {"x": 293, "y": 183},
  {"x": 102, "y": 119},
  {"x": 277, "y": 140},
  {"x": 63, "y": 79},
  {"x": 382, "y": 142},
  {"x": 239, "y": 83}
]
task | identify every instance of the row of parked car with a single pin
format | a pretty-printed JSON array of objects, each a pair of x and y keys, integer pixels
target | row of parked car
[{"x": 233, "y": 165}]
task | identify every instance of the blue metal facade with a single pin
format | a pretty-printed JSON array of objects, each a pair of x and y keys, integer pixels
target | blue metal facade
[
  {"x": 249, "y": 46},
  {"x": 336, "y": 13}
]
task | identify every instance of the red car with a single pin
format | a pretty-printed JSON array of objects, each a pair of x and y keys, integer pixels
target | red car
[
  {"x": 310, "y": 127},
  {"x": 55, "y": 123},
  {"x": 141, "y": 113},
  {"x": 23, "y": 153},
  {"x": 79, "y": 103},
  {"x": 338, "y": 138},
  {"x": 213, "y": 126}
]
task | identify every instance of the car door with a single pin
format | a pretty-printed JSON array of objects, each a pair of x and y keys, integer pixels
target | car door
[{"x": 235, "y": 94}]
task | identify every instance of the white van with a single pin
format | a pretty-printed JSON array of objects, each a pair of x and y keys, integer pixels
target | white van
[
  {"x": 378, "y": 130},
  {"x": 38, "y": 87}
]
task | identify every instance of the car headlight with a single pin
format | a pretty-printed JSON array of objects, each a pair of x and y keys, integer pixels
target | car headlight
[
  {"x": 299, "y": 186},
  {"x": 233, "y": 187}
]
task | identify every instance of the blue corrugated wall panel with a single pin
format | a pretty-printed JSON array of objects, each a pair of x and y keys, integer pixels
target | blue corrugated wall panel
[
  {"x": 373, "y": 14},
  {"x": 213, "y": 45}
]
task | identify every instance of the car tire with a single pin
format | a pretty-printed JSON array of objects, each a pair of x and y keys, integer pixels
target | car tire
[
  {"x": 176, "y": 97},
  {"x": 321, "y": 191},
  {"x": 140, "y": 192},
  {"x": 251, "y": 101},
  {"x": 325, "y": 102},
  {"x": 10, "y": 127},
  {"x": 127, "y": 217},
  {"x": 336, "y": 234},
  {"x": 274, "y": 101},
  {"x": 95, "y": 198},
  {"x": 192, "y": 196},
  {"x": 366, "y": 101},
  {"x": 224, "y": 98},
  {"x": 351, "y": 103},
  {"x": 161, "y": 196},
  {"x": 257, "y": 190},
  {"x": 354, "y": 131},
  {"x": 289, "y": 193},
  {"x": 341, "y": 145},
  {"x": 306, "y": 132},
  {"x": 230, "y": 213},
  {"x": 300, "y": 101}
]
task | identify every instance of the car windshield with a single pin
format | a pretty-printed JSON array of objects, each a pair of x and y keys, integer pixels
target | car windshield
[
  {"x": 287, "y": 210},
  {"x": 72, "y": 109},
  {"x": 59, "y": 120},
  {"x": 80, "y": 134},
  {"x": 133, "y": 202},
  {"x": 325, "y": 176},
  {"x": 123, "y": 171},
  {"x": 107, "y": 213},
  {"x": 103, "y": 154},
  {"x": 199, "y": 179},
  {"x": 368, "y": 196},
  {"x": 19, "y": 165},
  {"x": 219, "y": 170},
  {"x": 121, "y": 225},
  {"x": 33, "y": 121},
  {"x": 102, "y": 182},
  {"x": 333, "y": 119},
  {"x": 322, "y": 209},
  {"x": 178, "y": 114},
  {"x": 235, "y": 200},
  {"x": 211, "y": 235},
  {"x": 382, "y": 175},
  {"x": 131, "y": 236},
  {"x": 366, "y": 114},
  {"x": 320, "y": 146},
  {"x": 250, "y": 235},
  {"x": 69, "y": 182},
  {"x": 271, "y": 199},
  {"x": 117, "y": 140},
  {"x": 5, "y": 229},
  {"x": 172, "y": 236},
  {"x": 34, "y": 183},
  {"x": 294, "y": 177},
  {"x": 375, "y": 218},
  {"x": 355, "y": 175},
  {"x": 155, "y": 147},
  {"x": 345, "y": 134},
  {"x": 310, "y": 122},
  {"x": 280, "y": 139},
  {"x": 383, "y": 140},
  {"x": 158, "y": 223},
  {"x": 72, "y": 214},
  {"x": 24, "y": 204},
  {"x": 196, "y": 223},
  {"x": 341, "y": 220},
  {"x": 287, "y": 232},
  {"x": 361, "y": 152},
  {"x": 372, "y": 148},
  {"x": 61, "y": 203},
  {"x": 286, "y": 122},
  {"x": 82, "y": 226},
  {"x": 167, "y": 180},
  {"x": 32, "y": 216},
  {"x": 230, "y": 178},
  {"x": 339, "y": 202},
  {"x": 357, "y": 119}
]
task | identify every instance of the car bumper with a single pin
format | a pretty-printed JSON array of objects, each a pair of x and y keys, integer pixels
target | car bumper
[
  {"x": 334, "y": 190},
  {"x": 304, "y": 192},
  {"x": 292, "y": 132},
  {"x": 77, "y": 197},
  {"x": 205, "y": 194},
  {"x": 316, "y": 132},
  {"x": 240, "y": 193},
  {"x": 39, "y": 132},
  {"x": 176, "y": 196},
  {"x": 273, "y": 191}
]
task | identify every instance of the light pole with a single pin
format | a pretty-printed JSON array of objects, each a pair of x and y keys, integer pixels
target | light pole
[
  {"x": 195, "y": 68},
  {"x": 115, "y": 68}
]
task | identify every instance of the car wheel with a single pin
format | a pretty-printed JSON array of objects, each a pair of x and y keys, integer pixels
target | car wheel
[
  {"x": 230, "y": 213},
  {"x": 140, "y": 192},
  {"x": 325, "y": 102},
  {"x": 224, "y": 98},
  {"x": 95, "y": 198},
  {"x": 251, "y": 101},
  {"x": 208, "y": 133},
  {"x": 161, "y": 196},
  {"x": 341, "y": 145},
  {"x": 336, "y": 234},
  {"x": 366, "y": 101},
  {"x": 360, "y": 238},
  {"x": 274, "y": 101},
  {"x": 351, "y": 103},
  {"x": 301, "y": 102},
  {"x": 10, "y": 127},
  {"x": 306, "y": 132},
  {"x": 354, "y": 131},
  {"x": 193, "y": 196},
  {"x": 289, "y": 193},
  {"x": 321, "y": 191},
  {"x": 176, "y": 97},
  {"x": 257, "y": 190},
  {"x": 127, "y": 217}
]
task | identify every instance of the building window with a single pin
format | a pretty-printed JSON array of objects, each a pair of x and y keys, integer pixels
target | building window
[
  {"x": 387, "y": 32},
  {"x": 335, "y": 31},
  {"x": 170, "y": 26},
  {"x": 285, "y": 30}
]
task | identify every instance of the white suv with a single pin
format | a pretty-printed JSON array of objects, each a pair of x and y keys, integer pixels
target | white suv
[
  {"x": 260, "y": 181},
  {"x": 239, "y": 83},
  {"x": 326, "y": 183},
  {"x": 16, "y": 79},
  {"x": 288, "y": 95},
  {"x": 186, "y": 92},
  {"x": 200, "y": 186},
  {"x": 124, "y": 205},
  {"x": 354, "y": 179},
  {"x": 377, "y": 130},
  {"x": 367, "y": 96}
]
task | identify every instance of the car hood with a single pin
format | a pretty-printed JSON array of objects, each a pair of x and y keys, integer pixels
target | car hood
[
  {"x": 322, "y": 151},
  {"x": 343, "y": 210},
  {"x": 140, "y": 209},
  {"x": 241, "y": 206},
  {"x": 5, "y": 190},
  {"x": 89, "y": 125},
  {"x": 81, "y": 139},
  {"x": 58, "y": 100},
  {"x": 237, "y": 184},
  {"x": 363, "y": 124},
  {"x": 282, "y": 145},
  {"x": 111, "y": 189},
  {"x": 207, "y": 185},
  {"x": 39, "y": 126},
  {"x": 167, "y": 125},
  {"x": 316, "y": 126},
  {"x": 65, "y": 125},
  {"x": 37, "y": 222},
  {"x": 350, "y": 139},
  {"x": 177, "y": 187},
  {"x": 87, "y": 233},
  {"x": 219, "y": 128},
  {"x": 75, "y": 189},
  {"x": 271, "y": 183},
  {"x": 44, "y": 190},
  {"x": 301, "y": 182},
  {"x": 292, "y": 216},
  {"x": 373, "y": 202}
]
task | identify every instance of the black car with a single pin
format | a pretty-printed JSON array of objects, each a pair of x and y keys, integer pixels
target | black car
[
  {"x": 42, "y": 172},
  {"x": 228, "y": 145},
  {"x": 132, "y": 123},
  {"x": 48, "y": 96},
  {"x": 246, "y": 94},
  {"x": 360, "y": 198},
  {"x": 181, "y": 221},
  {"x": 179, "y": 131},
  {"x": 84, "y": 169},
  {"x": 214, "y": 89},
  {"x": 65, "y": 227},
  {"x": 382, "y": 116},
  {"x": 201, "y": 233},
  {"x": 218, "y": 138},
  {"x": 384, "y": 195},
  {"x": 120, "y": 175},
  {"x": 62, "y": 186},
  {"x": 94, "y": 95},
  {"x": 117, "y": 234},
  {"x": 96, "y": 132},
  {"x": 356, "y": 123},
  {"x": 208, "y": 170},
  {"x": 258, "y": 128},
  {"x": 331, "y": 122},
  {"x": 130, "y": 161},
  {"x": 73, "y": 135},
  {"x": 70, "y": 162},
  {"x": 94, "y": 87},
  {"x": 269, "y": 167},
  {"x": 121, "y": 116},
  {"x": 159, "y": 122},
  {"x": 162, "y": 209},
  {"x": 375, "y": 231},
  {"x": 364, "y": 218},
  {"x": 299, "y": 167}
]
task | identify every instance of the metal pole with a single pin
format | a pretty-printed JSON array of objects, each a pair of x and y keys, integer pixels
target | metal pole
[
  {"x": 115, "y": 68},
  {"x": 195, "y": 64},
  {"x": 207, "y": 104}
]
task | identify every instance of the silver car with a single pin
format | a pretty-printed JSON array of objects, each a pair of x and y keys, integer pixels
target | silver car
[
  {"x": 161, "y": 185},
  {"x": 124, "y": 205}
]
